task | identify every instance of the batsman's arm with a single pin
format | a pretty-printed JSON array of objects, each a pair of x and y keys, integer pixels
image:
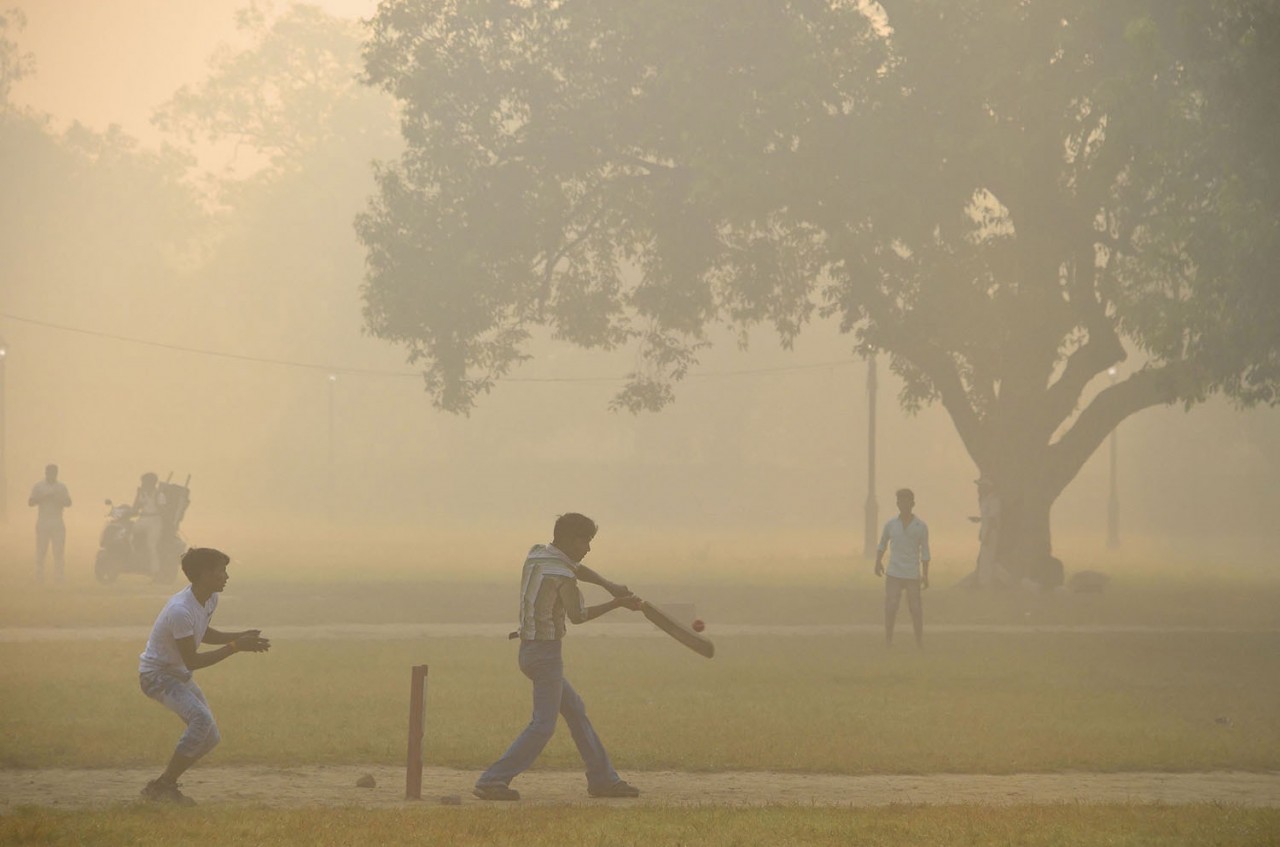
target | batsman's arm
[
  {"x": 579, "y": 613},
  {"x": 593, "y": 612},
  {"x": 585, "y": 574}
]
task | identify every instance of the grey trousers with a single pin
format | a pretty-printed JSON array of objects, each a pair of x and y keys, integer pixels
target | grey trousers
[
  {"x": 893, "y": 589},
  {"x": 51, "y": 534}
]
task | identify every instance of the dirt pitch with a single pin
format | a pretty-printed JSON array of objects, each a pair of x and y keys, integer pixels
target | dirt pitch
[{"x": 336, "y": 786}]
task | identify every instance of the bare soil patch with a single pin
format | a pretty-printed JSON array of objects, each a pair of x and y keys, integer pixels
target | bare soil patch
[{"x": 336, "y": 786}]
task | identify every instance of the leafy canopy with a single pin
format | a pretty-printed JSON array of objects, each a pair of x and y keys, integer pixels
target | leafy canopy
[{"x": 1006, "y": 196}]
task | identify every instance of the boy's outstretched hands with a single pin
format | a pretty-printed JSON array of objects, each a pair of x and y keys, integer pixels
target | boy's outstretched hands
[{"x": 251, "y": 641}]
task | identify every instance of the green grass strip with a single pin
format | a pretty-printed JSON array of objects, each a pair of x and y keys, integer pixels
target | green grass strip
[
  {"x": 900, "y": 826},
  {"x": 970, "y": 703}
]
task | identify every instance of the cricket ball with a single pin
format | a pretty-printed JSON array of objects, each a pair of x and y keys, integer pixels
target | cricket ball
[{"x": 698, "y": 625}]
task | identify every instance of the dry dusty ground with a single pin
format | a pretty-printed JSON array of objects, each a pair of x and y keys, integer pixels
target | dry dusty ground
[{"x": 336, "y": 786}]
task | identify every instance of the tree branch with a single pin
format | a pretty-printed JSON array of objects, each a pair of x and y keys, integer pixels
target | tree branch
[
  {"x": 941, "y": 370},
  {"x": 568, "y": 247},
  {"x": 1102, "y": 350},
  {"x": 1148, "y": 387}
]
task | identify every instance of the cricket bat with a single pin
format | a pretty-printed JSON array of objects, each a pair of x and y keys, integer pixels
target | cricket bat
[
  {"x": 699, "y": 644},
  {"x": 696, "y": 642}
]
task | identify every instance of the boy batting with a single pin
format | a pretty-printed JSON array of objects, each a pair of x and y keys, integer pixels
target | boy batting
[{"x": 548, "y": 594}]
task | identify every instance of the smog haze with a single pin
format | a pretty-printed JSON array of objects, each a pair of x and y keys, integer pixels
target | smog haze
[{"x": 192, "y": 306}]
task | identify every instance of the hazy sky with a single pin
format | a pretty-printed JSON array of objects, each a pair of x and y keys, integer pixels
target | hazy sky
[
  {"x": 802, "y": 434},
  {"x": 114, "y": 61}
]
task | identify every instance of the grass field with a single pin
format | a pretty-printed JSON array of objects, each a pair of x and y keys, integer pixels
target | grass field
[
  {"x": 903, "y": 826},
  {"x": 313, "y": 574},
  {"x": 1141, "y": 600},
  {"x": 971, "y": 702}
]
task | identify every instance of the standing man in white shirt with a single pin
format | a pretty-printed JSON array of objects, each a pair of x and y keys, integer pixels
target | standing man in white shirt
[
  {"x": 166, "y": 666},
  {"x": 50, "y": 497},
  {"x": 907, "y": 539}
]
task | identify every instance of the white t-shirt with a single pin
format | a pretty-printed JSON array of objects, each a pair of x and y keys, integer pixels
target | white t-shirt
[
  {"x": 908, "y": 545},
  {"x": 51, "y": 498},
  {"x": 181, "y": 616},
  {"x": 151, "y": 502}
]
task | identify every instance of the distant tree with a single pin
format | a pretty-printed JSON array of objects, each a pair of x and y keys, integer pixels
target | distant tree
[
  {"x": 282, "y": 268},
  {"x": 82, "y": 212},
  {"x": 85, "y": 212},
  {"x": 282, "y": 245},
  {"x": 292, "y": 90},
  {"x": 14, "y": 63},
  {"x": 1006, "y": 197}
]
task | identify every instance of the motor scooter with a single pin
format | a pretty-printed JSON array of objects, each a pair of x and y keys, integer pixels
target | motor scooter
[{"x": 121, "y": 548}]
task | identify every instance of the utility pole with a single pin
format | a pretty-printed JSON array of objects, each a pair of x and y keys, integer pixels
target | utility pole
[
  {"x": 871, "y": 537},
  {"x": 328, "y": 488},
  {"x": 4, "y": 482},
  {"x": 1113, "y": 500}
]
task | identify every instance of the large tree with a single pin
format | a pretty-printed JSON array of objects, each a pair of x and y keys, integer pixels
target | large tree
[{"x": 1007, "y": 197}]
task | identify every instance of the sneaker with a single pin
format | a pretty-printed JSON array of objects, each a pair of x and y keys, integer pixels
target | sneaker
[
  {"x": 495, "y": 791},
  {"x": 621, "y": 788},
  {"x": 159, "y": 791}
]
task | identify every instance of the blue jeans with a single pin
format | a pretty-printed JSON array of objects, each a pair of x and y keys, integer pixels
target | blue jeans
[
  {"x": 185, "y": 699},
  {"x": 552, "y": 696}
]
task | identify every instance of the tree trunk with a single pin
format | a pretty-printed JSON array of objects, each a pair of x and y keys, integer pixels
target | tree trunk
[
  {"x": 1012, "y": 445},
  {"x": 1025, "y": 549}
]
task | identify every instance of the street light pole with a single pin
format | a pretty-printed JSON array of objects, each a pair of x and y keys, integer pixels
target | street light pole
[
  {"x": 329, "y": 498},
  {"x": 872, "y": 530},
  {"x": 4, "y": 482},
  {"x": 1113, "y": 500}
]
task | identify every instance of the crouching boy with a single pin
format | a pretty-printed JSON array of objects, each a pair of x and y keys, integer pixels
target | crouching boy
[{"x": 167, "y": 665}]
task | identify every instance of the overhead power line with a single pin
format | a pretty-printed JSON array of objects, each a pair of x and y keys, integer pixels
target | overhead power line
[
  {"x": 340, "y": 369},
  {"x": 199, "y": 351}
]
